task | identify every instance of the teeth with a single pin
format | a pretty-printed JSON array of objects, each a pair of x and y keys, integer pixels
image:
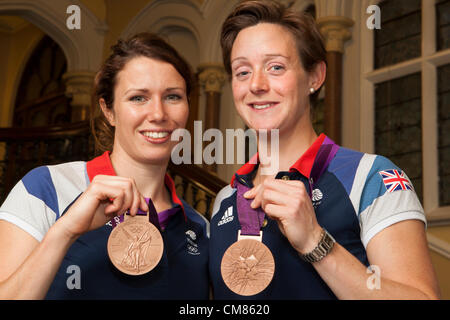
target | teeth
[
  {"x": 264, "y": 106},
  {"x": 155, "y": 135}
]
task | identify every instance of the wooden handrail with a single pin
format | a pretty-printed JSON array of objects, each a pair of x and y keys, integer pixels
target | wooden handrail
[
  {"x": 40, "y": 102},
  {"x": 50, "y": 132},
  {"x": 203, "y": 179}
]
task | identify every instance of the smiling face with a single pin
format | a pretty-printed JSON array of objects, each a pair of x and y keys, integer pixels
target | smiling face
[
  {"x": 270, "y": 86},
  {"x": 150, "y": 102}
]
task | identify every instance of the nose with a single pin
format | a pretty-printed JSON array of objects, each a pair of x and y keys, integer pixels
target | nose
[
  {"x": 156, "y": 111},
  {"x": 259, "y": 83}
]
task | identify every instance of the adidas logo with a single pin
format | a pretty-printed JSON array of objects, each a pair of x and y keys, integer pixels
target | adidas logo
[{"x": 227, "y": 216}]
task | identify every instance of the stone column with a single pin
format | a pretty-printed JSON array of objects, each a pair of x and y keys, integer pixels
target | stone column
[
  {"x": 212, "y": 77},
  {"x": 335, "y": 30},
  {"x": 79, "y": 87}
]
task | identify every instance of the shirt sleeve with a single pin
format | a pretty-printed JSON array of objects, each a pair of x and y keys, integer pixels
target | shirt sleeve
[
  {"x": 387, "y": 197},
  {"x": 31, "y": 205}
]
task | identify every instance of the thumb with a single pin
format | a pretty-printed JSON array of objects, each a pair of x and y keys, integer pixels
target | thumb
[{"x": 250, "y": 194}]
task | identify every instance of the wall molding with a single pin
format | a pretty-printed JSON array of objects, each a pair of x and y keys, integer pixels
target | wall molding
[{"x": 83, "y": 48}]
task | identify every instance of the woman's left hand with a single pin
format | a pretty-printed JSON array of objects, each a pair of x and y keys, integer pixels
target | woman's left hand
[{"x": 289, "y": 204}]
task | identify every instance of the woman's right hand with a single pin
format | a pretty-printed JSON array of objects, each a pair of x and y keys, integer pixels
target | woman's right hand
[{"x": 105, "y": 197}]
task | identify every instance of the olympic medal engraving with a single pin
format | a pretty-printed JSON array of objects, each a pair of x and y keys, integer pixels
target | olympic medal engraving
[
  {"x": 135, "y": 246},
  {"x": 247, "y": 267}
]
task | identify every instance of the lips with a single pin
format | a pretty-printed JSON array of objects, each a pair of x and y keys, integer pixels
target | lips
[
  {"x": 156, "y": 136},
  {"x": 261, "y": 105}
]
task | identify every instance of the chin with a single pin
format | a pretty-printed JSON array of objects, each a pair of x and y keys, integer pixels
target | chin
[
  {"x": 159, "y": 161},
  {"x": 155, "y": 157},
  {"x": 262, "y": 125}
]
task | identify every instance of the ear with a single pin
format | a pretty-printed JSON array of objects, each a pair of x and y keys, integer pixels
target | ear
[
  {"x": 108, "y": 113},
  {"x": 318, "y": 75}
]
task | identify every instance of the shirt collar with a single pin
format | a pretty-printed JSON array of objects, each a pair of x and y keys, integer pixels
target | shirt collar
[
  {"x": 306, "y": 161},
  {"x": 102, "y": 165},
  {"x": 303, "y": 165}
]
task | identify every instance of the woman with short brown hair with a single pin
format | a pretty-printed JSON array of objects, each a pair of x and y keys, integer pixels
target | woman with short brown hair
[{"x": 312, "y": 229}]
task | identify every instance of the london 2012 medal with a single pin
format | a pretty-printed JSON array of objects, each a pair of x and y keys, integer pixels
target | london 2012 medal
[
  {"x": 135, "y": 246},
  {"x": 247, "y": 267}
]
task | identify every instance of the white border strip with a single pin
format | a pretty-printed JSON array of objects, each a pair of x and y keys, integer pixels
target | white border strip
[{"x": 25, "y": 226}]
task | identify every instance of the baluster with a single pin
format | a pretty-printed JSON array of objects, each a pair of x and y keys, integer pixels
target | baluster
[
  {"x": 42, "y": 152},
  {"x": 11, "y": 149},
  {"x": 208, "y": 202},
  {"x": 185, "y": 185}
]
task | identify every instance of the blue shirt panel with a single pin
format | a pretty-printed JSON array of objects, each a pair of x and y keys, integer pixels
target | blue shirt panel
[
  {"x": 375, "y": 186},
  {"x": 344, "y": 166},
  {"x": 195, "y": 217},
  {"x": 38, "y": 182}
]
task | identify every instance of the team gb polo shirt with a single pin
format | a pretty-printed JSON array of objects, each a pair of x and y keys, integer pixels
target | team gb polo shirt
[
  {"x": 44, "y": 194},
  {"x": 357, "y": 196}
]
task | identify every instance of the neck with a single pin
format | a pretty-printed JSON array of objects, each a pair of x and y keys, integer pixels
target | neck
[
  {"x": 149, "y": 178},
  {"x": 292, "y": 144}
]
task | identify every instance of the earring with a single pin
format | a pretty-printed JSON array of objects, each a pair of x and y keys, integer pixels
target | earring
[{"x": 312, "y": 90}]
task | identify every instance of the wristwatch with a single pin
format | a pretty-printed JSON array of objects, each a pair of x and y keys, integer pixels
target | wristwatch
[{"x": 323, "y": 248}]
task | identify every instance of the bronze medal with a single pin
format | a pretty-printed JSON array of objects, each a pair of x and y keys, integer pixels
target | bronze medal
[
  {"x": 247, "y": 267},
  {"x": 135, "y": 246}
]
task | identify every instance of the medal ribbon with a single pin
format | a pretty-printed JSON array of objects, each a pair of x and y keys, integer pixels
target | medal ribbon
[
  {"x": 326, "y": 153},
  {"x": 251, "y": 219},
  {"x": 152, "y": 214},
  {"x": 159, "y": 220}
]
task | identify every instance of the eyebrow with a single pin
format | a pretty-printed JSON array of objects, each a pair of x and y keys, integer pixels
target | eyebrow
[
  {"x": 137, "y": 89},
  {"x": 144, "y": 90},
  {"x": 175, "y": 88},
  {"x": 271, "y": 55}
]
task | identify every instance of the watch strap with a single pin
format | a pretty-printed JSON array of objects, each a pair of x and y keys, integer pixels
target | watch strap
[{"x": 322, "y": 249}]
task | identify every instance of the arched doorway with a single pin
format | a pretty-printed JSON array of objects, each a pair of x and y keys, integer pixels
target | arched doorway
[{"x": 41, "y": 99}]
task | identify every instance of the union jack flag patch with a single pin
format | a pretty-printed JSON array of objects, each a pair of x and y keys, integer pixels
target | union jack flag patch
[{"x": 395, "y": 180}]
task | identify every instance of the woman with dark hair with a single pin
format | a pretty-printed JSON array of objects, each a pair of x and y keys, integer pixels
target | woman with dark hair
[
  {"x": 311, "y": 229},
  {"x": 112, "y": 227}
]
